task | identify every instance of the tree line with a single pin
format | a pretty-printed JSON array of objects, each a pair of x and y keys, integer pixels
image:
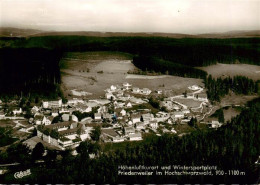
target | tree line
[
  {"x": 167, "y": 67},
  {"x": 217, "y": 88}
]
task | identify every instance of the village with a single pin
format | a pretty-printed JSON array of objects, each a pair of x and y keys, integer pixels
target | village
[{"x": 124, "y": 113}]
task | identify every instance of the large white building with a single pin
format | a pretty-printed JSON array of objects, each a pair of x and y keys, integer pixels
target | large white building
[{"x": 52, "y": 104}]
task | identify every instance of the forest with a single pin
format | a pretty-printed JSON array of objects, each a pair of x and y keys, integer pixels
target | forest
[
  {"x": 235, "y": 146},
  {"x": 217, "y": 88},
  {"x": 30, "y": 71},
  {"x": 185, "y": 51},
  {"x": 166, "y": 67}
]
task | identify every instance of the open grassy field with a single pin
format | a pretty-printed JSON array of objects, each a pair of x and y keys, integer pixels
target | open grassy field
[
  {"x": 230, "y": 113},
  {"x": 96, "y": 71},
  {"x": 189, "y": 102},
  {"x": 225, "y": 70},
  {"x": 233, "y": 99}
]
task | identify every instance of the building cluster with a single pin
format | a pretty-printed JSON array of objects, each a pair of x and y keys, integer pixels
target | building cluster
[{"x": 122, "y": 114}]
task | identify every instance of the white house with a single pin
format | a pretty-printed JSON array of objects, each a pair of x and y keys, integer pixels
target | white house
[
  {"x": 130, "y": 123},
  {"x": 153, "y": 124},
  {"x": 194, "y": 87},
  {"x": 127, "y": 85},
  {"x": 129, "y": 105},
  {"x": 34, "y": 109},
  {"x": 17, "y": 111},
  {"x": 113, "y": 88},
  {"x": 47, "y": 120},
  {"x": 177, "y": 115},
  {"x": 159, "y": 91},
  {"x": 135, "y": 137},
  {"x": 146, "y": 91},
  {"x": 136, "y": 90},
  {"x": 123, "y": 112},
  {"x": 140, "y": 126},
  {"x": 215, "y": 124},
  {"x": 136, "y": 118},
  {"x": 97, "y": 116},
  {"x": 109, "y": 96}
]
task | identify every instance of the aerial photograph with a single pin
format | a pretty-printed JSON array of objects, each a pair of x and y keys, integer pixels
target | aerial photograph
[{"x": 129, "y": 92}]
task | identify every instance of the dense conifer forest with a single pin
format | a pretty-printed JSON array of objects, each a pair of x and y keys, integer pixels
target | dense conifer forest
[
  {"x": 217, "y": 88},
  {"x": 234, "y": 146},
  {"x": 29, "y": 71}
]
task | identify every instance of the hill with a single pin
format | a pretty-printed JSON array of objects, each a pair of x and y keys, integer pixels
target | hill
[{"x": 16, "y": 32}]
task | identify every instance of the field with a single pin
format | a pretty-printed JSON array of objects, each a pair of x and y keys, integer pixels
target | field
[
  {"x": 96, "y": 71},
  {"x": 189, "y": 102},
  {"x": 225, "y": 70},
  {"x": 233, "y": 99},
  {"x": 231, "y": 112}
]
